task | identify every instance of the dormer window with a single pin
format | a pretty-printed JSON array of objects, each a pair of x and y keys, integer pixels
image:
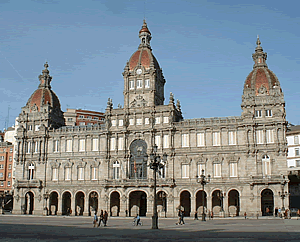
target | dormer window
[
  {"x": 258, "y": 113},
  {"x": 131, "y": 84},
  {"x": 147, "y": 83},
  {"x": 268, "y": 113},
  {"x": 139, "y": 84}
]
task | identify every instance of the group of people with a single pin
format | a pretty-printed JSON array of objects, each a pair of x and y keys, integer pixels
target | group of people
[
  {"x": 282, "y": 213},
  {"x": 180, "y": 217},
  {"x": 102, "y": 218}
]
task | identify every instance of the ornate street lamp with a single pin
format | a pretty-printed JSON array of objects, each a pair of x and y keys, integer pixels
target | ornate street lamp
[
  {"x": 156, "y": 163},
  {"x": 46, "y": 197},
  {"x": 283, "y": 194},
  {"x": 203, "y": 180}
]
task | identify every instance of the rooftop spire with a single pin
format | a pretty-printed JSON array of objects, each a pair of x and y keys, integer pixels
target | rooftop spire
[
  {"x": 259, "y": 56},
  {"x": 145, "y": 36},
  {"x": 45, "y": 78}
]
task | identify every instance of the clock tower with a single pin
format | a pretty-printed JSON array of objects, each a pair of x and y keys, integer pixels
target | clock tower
[{"x": 143, "y": 78}]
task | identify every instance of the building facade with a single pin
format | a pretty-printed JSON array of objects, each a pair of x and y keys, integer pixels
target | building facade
[
  {"x": 75, "y": 117},
  {"x": 80, "y": 169}
]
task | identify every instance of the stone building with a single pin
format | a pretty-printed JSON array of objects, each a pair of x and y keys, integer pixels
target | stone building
[
  {"x": 75, "y": 117},
  {"x": 80, "y": 169}
]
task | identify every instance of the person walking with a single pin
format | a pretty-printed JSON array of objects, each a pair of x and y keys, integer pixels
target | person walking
[
  {"x": 245, "y": 214},
  {"x": 101, "y": 218},
  {"x": 196, "y": 216},
  {"x": 95, "y": 220},
  {"x": 105, "y": 218},
  {"x": 179, "y": 216},
  {"x": 181, "y": 222},
  {"x": 137, "y": 220},
  {"x": 212, "y": 215}
]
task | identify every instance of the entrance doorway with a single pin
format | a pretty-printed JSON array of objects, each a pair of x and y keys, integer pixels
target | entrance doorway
[
  {"x": 114, "y": 204},
  {"x": 234, "y": 203},
  {"x": 66, "y": 204},
  {"x": 29, "y": 199},
  {"x": 93, "y": 203},
  {"x": 79, "y": 204},
  {"x": 200, "y": 202},
  {"x": 185, "y": 202},
  {"x": 267, "y": 202},
  {"x": 137, "y": 203},
  {"x": 53, "y": 203}
]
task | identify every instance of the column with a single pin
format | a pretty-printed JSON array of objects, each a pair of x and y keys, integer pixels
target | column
[
  {"x": 59, "y": 205},
  {"x": 225, "y": 205},
  {"x": 73, "y": 208},
  {"x": 209, "y": 202},
  {"x": 123, "y": 206},
  {"x": 150, "y": 201},
  {"x": 170, "y": 207},
  {"x": 86, "y": 206},
  {"x": 193, "y": 206}
]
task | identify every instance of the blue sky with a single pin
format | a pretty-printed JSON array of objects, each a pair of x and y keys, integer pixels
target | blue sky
[{"x": 204, "y": 48}]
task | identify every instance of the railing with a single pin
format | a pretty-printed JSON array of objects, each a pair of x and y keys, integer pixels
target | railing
[{"x": 28, "y": 184}]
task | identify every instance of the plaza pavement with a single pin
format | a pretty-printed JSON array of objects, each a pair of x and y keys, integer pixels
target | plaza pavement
[{"x": 64, "y": 228}]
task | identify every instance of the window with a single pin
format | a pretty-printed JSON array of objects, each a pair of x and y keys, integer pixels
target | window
[
  {"x": 113, "y": 123},
  {"x": 81, "y": 116},
  {"x": 200, "y": 167},
  {"x": 116, "y": 170},
  {"x": 2, "y": 183},
  {"x": 296, "y": 140},
  {"x": 30, "y": 172},
  {"x": 121, "y": 122},
  {"x": 36, "y": 147},
  {"x": 37, "y": 128},
  {"x": 82, "y": 145},
  {"x": 185, "y": 140},
  {"x": 185, "y": 171},
  {"x": 112, "y": 143},
  {"x": 131, "y": 121},
  {"x": 55, "y": 146},
  {"x": 94, "y": 173},
  {"x": 131, "y": 84},
  {"x": 157, "y": 120},
  {"x": 95, "y": 144},
  {"x": 162, "y": 172},
  {"x": 217, "y": 170},
  {"x": 233, "y": 169},
  {"x": 30, "y": 127},
  {"x": 120, "y": 143},
  {"x": 1, "y": 166},
  {"x": 268, "y": 113},
  {"x": 200, "y": 139},
  {"x": 11, "y": 150},
  {"x": 80, "y": 173},
  {"x": 9, "y": 175},
  {"x": 139, "y": 84},
  {"x": 147, "y": 83},
  {"x": 232, "y": 137},
  {"x": 69, "y": 145},
  {"x": 89, "y": 117},
  {"x": 68, "y": 173},
  {"x": 267, "y": 165},
  {"x": 8, "y": 183},
  {"x": 166, "y": 141},
  {"x": 166, "y": 120},
  {"x": 54, "y": 174},
  {"x": 259, "y": 136},
  {"x": 81, "y": 123},
  {"x": 9, "y": 167},
  {"x": 146, "y": 120},
  {"x": 28, "y": 147},
  {"x": 157, "y": 141},
  {"x": 10, "y": 158},
  {"x": 70, "y": 119},
  {"x": 216, "y": 138},
  {"x": 139, "y": 121},
  {"x": 1, "y": 157},
  {"x": 258, "y": 113},
  {"x": 270, "y": 136},
  {"x": 298, "y": 163},
  {"x": 1, "y": 174},
  {"x": 297, "y": 153}
]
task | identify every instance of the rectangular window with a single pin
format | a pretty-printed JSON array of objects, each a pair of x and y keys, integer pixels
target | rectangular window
[
  {"x": 296, "y": 140},
  {"x": 2, "y": 183},
  {"x": 216, "y": 138},
  {"x": 166, "y": 120},
  {"x": 298, "y": 163},
  {"x": 36, "y": 147},
  {"x": 28, "y": 147},
  {"x": 185, "y": 140},
  {"x": 157, "y": 141},
  {"x": 268, "y": 113},
  {"x": 121, "y": 122},
  {"x": 68, "y": 173},
  {"x": 185, "y": 171},
  {"x": 80, "y": 173},
  {"x": 131, "y": 121},
  {"x": 233, "y": 169},
  {"x": 200, "y": 167},
  {"x": 166, "y": 141},
  {"x": 54, "y": 174},
  {"x": 139, "y": 84},
  {"x": 82, "y": 145},
  {"x": 11, "y": 150},
  {"x": 297, "y": 153},
  {"x": 259, "y": 136},
  {"x": 146, "y": 120},
  {"x": 1, "y": 157},
  {"x": 157, "y": 120},
  {"x": 131, "y": 84},
  {"x": 147, "y": 83},
  {"x": 81, "y": 116},
  {"x": 70, "y": 119},
  {"x": 217, "y": 170},
  {"x": 1, "y": 174},
  {"x": 267, "y": 167},
  {"x": 10, "y": 158},
  {"x": 1, "y": 166},
  {"x": 9, "y": 167},
  {"x": 8, "y": 183},
  {"x": 200, "y": 139},
  {"x": 139, "y": 121},
  {"x": 258, "y": 113},
  {"x": 120, "y": 143},
  {"x": 113, "y": 123},
  {"x": 94, "y": 173},
  {"x": 69, "y": 145},
  {"x": 9, "y": 175},
  {"x": 232, "y": 137},
  {"x": 37, "y": 128},
  {"x": 95, "y": 144},
  {"x": 82, "y": 123},
  {"x": 112, "y": 143},
  {"x": 270, "y": 136}
]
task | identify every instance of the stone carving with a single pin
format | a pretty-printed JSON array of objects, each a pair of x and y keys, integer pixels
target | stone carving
[
  {"x": 262, "y": 90},
  {"x": 139, "y": 101}
]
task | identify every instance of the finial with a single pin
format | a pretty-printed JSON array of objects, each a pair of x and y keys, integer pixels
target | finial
[
  {"x": 46, "y": 65},
  {"x": 258, "y": 41},
  {"x": 171, "y": 98}
]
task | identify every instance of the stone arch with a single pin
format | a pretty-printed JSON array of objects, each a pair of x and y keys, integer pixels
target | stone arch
[
  {"x": 66, "y": 203},
  {"x": 79, "y": 203},
  {"x": 114, "y": 203},
  {"x": 93, "y": 202},
  {"x": 53, "y": 202},
  {"x": 138, "y": 159},
  {"x": 137, "y": 203},
  {"x": 217, "y": 201},
  {"x": 162, "y": 203},
  {"x": 28, "y": 207},
  {"x": 185, "y": 202},
  {"x": 201, "y": 201},
  {"x": 233, "y": 202},
  {"x": 267, "y": 202}
]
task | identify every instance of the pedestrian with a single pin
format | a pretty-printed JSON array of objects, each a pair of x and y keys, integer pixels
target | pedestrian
[
  {"x": 276, "y": 212},
  {"x": 105, "y": 218},
  {"x": 179, "y": 216},
  {"x": 126, "y": 213},
  {"x": 95, "y": 220},
  {"x": 137, "y": 220},
  {"x": 279, "y": 212},
  {"x": 211, "y": 214},
  {"x": 245, "y": 214},
  {"x": 196, "y": 216},
  {"x": 101, "y": 218}
]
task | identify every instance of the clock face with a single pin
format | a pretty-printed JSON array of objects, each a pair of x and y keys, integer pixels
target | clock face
[{"x": 139, "y": 71}]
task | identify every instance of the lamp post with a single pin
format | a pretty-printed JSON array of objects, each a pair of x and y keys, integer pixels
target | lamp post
[
  {"x": 203, "y": 180},
  {"x": 156, "y": 163},
  {"x": 221, "y": 196},
  {"x": 283, "y": 194},
  {"x": 46, "y": 197}
]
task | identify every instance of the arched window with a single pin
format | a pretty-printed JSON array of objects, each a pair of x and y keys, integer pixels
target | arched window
[
  {"x": 266, "y": 165},
  {"x": 116, "y": 170},
  {"x": 30, "y": 171}
]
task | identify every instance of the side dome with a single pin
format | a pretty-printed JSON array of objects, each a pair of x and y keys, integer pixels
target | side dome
[{"x": 261, "y": 80}]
